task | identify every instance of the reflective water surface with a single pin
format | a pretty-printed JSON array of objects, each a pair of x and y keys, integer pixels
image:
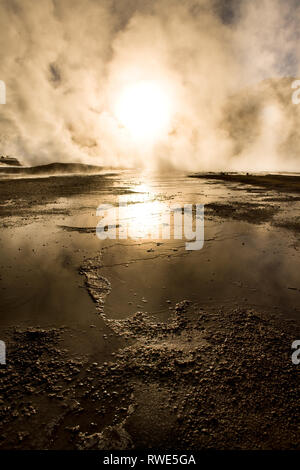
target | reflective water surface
[{"x": 241, "y": 263}]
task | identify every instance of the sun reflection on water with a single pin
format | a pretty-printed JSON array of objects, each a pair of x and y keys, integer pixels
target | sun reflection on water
[{"x": 142, "y": 212}]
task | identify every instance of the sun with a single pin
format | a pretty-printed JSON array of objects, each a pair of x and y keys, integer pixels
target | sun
[{"x": 144, "y": 109}]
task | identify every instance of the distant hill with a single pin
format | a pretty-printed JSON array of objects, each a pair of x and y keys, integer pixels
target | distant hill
[{"x": 53, "y": 169}]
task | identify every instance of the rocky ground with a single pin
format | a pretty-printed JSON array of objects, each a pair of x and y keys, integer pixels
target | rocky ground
[{"x": 203, "y": 380}]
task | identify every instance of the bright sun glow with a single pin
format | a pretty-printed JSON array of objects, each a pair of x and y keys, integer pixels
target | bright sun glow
[{"x": 144, "y": 109}]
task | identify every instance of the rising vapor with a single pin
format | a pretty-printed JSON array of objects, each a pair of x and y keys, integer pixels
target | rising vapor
[{"x": 222, "y": 63}]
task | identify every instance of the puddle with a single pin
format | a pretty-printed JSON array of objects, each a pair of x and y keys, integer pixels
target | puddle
[{"x": 242, "y": 265}]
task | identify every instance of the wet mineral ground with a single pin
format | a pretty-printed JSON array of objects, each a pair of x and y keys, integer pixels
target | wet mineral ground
[{"x": 139, "y": 343}]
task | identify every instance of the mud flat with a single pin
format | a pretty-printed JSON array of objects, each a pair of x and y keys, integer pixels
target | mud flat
[
  {"x": 284, "y": 183},
  {"x": 138, "y": 344},
  {"x": 271, "y": 191}
]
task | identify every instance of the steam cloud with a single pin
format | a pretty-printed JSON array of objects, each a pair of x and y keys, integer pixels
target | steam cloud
[{"x": 63, "y": 61}]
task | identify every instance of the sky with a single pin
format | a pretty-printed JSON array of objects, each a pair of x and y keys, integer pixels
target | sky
[{"x": 150, "y": 83}]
